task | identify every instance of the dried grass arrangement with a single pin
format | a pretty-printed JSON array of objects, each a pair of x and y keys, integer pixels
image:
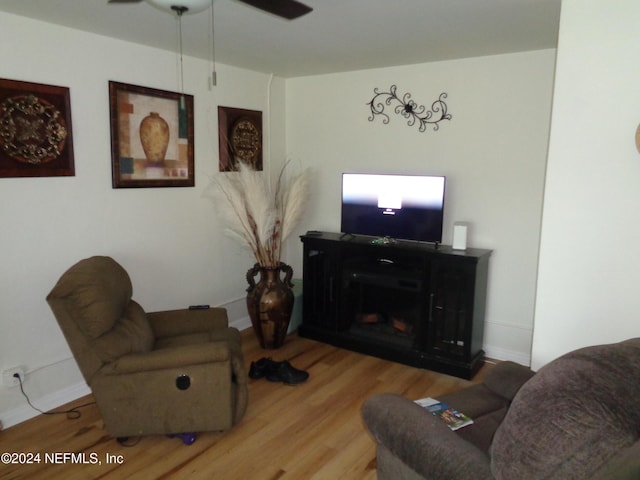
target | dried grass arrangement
[{"x": 260, "y": 216}]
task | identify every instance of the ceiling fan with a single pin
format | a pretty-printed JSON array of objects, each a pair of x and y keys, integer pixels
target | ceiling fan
[{"x": 288, "y": 9}]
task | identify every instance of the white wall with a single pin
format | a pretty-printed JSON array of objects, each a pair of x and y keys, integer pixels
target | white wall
[
  {"x": 493, "y": 153},
  {"x": 168, "y": 239},
  {"x": 590, "y": 262}
]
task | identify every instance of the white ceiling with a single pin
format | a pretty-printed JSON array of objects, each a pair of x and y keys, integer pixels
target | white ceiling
[{"x": 339, "y": 35}]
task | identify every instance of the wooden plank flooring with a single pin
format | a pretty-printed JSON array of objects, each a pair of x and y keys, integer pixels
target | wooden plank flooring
[{"x": 313, "y": 431}]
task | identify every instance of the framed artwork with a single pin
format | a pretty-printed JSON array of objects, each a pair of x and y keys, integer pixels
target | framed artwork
[
  {"x": 36, "y": 138},
  {"x": 239, "y": 138},
  {"x": 151, "y": 137}
]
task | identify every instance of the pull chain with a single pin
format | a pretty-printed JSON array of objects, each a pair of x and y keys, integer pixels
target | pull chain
[{"x": 180, "y": 10}]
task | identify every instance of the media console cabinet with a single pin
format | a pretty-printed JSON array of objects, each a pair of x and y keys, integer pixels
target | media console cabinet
[{"x": 409, "y": 302}]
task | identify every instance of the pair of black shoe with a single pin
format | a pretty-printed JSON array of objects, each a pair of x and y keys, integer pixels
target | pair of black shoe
[{"x": 277, "y": 372}]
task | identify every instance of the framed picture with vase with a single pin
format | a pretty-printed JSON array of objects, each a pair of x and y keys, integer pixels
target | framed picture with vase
[{"x": 151, "y": 137}]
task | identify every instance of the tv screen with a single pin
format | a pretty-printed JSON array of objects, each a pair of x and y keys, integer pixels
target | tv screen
[{"x": 408, "y": 207}]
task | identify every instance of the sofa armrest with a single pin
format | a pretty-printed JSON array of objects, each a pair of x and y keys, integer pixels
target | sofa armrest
[
  {"x": 165, "y": 358},
  {"x": 184, "y": 321},
  {"x": 421, "y": 440},
  {"x": 623, "y": 466},
  {"x": 506, "y": 378}
]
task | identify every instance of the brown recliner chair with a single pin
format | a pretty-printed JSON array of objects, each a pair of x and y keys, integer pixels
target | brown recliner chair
[{"x": 158, "y": 373}]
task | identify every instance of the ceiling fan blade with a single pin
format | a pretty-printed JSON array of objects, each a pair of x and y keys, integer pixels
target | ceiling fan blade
[{"x": 288, "y": 9}]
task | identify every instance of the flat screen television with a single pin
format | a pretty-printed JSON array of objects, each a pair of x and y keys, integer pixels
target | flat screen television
[{"x": 402, "y": 207}]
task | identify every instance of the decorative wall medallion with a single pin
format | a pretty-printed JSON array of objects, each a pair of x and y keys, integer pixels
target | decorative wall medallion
[
  {"x": 32, "y": 129},
  {"x": 35, "y": 130},
  {"x": 409, "y": 109},
  {"x": 239, "y": 138},
  {"x": 246, "y": 140}
]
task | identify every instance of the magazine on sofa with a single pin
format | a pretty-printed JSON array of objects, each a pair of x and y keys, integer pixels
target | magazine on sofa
[{"x": 453, "y": 418}]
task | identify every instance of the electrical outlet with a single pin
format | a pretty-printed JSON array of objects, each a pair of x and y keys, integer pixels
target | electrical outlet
[{"x": 8, "y": 376}]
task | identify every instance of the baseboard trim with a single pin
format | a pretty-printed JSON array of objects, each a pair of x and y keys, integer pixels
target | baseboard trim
[
  {"x": 498, "y": 353},
  {"x": 241, "y": 323},
  {"x": 55, "y": 399},
  {"x": 68, "y": 394},
  {"x": 48, "y": 402}
]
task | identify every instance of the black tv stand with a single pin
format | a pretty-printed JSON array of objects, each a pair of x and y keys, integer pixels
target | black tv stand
[{"x": 410, "y": 302}]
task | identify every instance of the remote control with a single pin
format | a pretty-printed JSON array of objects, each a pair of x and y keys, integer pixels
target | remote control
[{"x": 198, "y": 307}]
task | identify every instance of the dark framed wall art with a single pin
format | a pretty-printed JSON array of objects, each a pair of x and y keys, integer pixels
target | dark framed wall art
[
  {"x": 239, "y": 138},
  {"x": 151, "y": 137},
  {"x": 36, "y": 138}
]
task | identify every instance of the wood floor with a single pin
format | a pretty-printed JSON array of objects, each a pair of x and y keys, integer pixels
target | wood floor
[{"x": 311, "y": 431}]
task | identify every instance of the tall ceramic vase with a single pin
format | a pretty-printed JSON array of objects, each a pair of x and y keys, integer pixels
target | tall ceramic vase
[
  {"x": 270, "y": 303},
  {"x": 154, "y": 136}
]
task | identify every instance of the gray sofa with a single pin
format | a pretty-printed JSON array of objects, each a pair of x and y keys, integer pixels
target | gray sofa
[{"x": 577, "y": 418}]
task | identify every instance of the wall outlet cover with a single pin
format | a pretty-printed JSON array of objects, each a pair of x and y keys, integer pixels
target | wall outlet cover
[{"x": 8, "y": 378}]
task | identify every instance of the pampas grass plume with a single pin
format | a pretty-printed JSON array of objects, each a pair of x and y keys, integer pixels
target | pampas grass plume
[
  {"x": 294, "y": 202},
  {"x": 252, "y": 212}
]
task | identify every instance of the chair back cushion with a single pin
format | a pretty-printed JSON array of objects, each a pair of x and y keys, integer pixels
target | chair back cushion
[
  {"x": 97, "y": 291},
  {"x": 572, "y": 417},
  {"x": 93, "y": 306}
]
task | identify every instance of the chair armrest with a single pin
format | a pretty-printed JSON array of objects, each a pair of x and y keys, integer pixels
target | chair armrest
[
  {"x": 184, "y": 321},
  {"x": 169, "y": 358},
  {"x": 506, "y": 378},
  {"x": 421, "y": 440}
]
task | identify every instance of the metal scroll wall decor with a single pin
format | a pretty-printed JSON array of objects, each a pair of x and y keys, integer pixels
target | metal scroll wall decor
[{"x": 409, "y": 109}]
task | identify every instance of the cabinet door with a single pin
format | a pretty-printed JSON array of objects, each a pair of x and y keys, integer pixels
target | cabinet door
[
  {"x": 451, "y": 309},
  {"x": 320, "y": 284}
]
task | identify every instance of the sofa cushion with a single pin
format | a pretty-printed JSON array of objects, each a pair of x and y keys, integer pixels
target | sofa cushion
[
  {"x": 506, "y": 378},
  {"x": 475, "y": 401},
  {"x": 572, "y": 417},
  {"x": 131, "y": 334},
  {"x": 486, "y": 408}
]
